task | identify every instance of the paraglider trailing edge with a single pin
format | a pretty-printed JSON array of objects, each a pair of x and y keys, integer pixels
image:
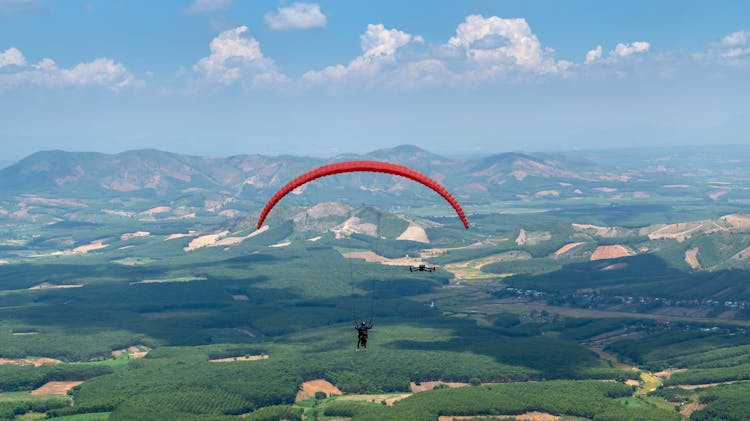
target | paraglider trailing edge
[{"x": 363, "y": 166}]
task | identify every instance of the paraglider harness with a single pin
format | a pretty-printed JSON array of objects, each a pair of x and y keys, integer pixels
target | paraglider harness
[{"x": 362, "y": 333}]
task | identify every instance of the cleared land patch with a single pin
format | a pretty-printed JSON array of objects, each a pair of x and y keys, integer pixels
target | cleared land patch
[
  {"x": 388, "y": 398},
  {"x": 309, "y": 388},
  {"x": 532, "y": 237},
  {"x": 55, "y": 388},
  {"x": 684, "y": 230},
  {"x": 423, "y": 386},
  {"x": 611, "y": 252},
  {"x": 36, "y": 362},
  {"x": 691, "y": 257},
  {"x": 666, "y": 374},
  {"x": 135, "y": 351},
  {"x": 370, "y": 256},
  {"x": 47, "y": 285},
  {"x": 166, "y": 280},
  {"x": 414, "y": 233},
  {"x": 472, "y": 269},
  {"x": 137, "y": 234},
  {"x": 568, "y": 248},
  {"x": 354, "y": 226},
  {"x": 526, "y": 416},
  {"x": 702, "y": 386},
  {"x": 205, "y": 241},
  {"x": 738, "y": 221}
]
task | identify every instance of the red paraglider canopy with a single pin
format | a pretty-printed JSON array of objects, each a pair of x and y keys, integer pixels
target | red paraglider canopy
[{"x": 363, "y": 166}]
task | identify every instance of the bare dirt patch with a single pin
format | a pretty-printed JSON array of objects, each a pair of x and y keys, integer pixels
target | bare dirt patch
[
  {"x": 135, "y": 351},
  {"x": 242, "y": 358},
  {"x": 56, "y": 202},
  {"x": 666, "y": 374},
  {"x": 137, "y": 234},
  {"x": 527, "y": 416},
  {"x": 427, "y": 253},
  {"x": 118, "y": 213},
  {"x": 309, "y": 388},
  {"x": 178, "y": 235},
  {"x": 421, "y": 387},
  {"x": 389, "y": 399},
  {"x": 701, "y": 386},
  {"x": 739, "y": 221},
  {"x": 205, "y": 241},
  {"x": 414, "y": 233},
  {"x": 472, "y": 269},
  {"x": 568, "y": 248},
  {"x": 715, "y": 194},
  {"x": 688, "y": 409},
  {"x": 684, "y": 230},
  {"x": 166, "y": 280},
  {"x": 611, "y": 252},
  {"x": 547, "y": 193},
  {"x": 532, "y": 237},
  {"x": 353, "y": 225},
  {"x": 607, "y": 232},
  {"x": 632, "y": 382},
  {"x": 94, "y": 245},
  {"x": 47, "y": 285},
  {"x": 370, "y": 256},
  {"x": 691, "y": 257},
  {"x": 615, "y": 266},
  {"x": 36, "y": 362},
  {"x": 158, "y": 209},
  {"x": 55, "y": 388},
  {"x": 228, "y": 241}
]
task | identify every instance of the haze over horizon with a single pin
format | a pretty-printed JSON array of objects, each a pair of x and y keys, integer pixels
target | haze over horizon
[{"x": 216, "y": 77}]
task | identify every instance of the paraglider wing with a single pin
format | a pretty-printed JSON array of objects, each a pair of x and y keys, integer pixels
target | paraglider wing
[{"x": 363, "y": 166}]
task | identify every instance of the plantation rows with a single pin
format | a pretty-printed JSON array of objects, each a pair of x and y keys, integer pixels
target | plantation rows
[{"x": 593, "y": 400}]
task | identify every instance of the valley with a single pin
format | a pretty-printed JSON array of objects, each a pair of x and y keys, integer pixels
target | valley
[{"x": 577, "y": 284}]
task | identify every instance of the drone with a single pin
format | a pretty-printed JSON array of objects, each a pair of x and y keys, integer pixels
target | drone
[{"x": 422, "y": 268}]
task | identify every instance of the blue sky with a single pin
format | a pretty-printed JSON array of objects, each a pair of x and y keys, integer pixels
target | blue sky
[{"x": 222, "y": 77}]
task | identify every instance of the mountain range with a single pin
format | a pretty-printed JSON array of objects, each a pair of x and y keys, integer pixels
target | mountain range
[{"x": 164, "y": 174}]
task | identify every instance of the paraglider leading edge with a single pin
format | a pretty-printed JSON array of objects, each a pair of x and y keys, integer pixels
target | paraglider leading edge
[{"x": 363, "y": 166}]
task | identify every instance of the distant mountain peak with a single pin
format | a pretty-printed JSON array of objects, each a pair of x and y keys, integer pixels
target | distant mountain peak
[{"x": 403, "y": 153}]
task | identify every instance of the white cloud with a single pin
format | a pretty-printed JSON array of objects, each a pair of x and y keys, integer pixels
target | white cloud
[
  {"x": 735, "y": 47},
  {"x": 12, "y": 56},
  {"x": 203, "y": 6},
  {"x": 483, "y": 48},
  {"x": 594, "y": 55},
  {"x": 103, "y": 72},
  {"x": 619, "y": 52},
  {"x": 736, "y": 38},
  {"x": 296, "y": 16},
  {"x": 235, "y": 58},
  {"x": 503, "y": 45},
  {"x": 379, "y": 48},
  {"x": 624, "y": 50}
]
